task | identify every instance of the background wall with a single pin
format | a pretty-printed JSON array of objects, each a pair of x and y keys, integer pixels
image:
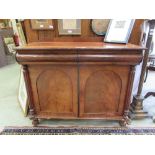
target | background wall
[{"x": 86, "y": 33}]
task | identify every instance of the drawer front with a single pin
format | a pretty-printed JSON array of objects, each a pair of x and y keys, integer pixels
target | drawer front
[{"x": 44, "y": 58}]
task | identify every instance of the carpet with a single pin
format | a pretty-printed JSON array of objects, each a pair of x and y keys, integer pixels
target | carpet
[{"x": 76, "y": 131}]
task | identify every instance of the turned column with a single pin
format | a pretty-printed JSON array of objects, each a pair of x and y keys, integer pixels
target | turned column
[
  {"x": 136, "y": 109},
  {"x": 29, "y": 94}
]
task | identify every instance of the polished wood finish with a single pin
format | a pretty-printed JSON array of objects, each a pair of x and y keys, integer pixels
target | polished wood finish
[
  {"x": 79, "y": 46},
  {"x": 87, "y": 35},
  {"x": 98, "y": 85},
  {"x": 32, "y": 111},
  {"x": 55, "y": 90},
  {"x": 79, "y": 80},
  {"x": 50, "y": 35}
]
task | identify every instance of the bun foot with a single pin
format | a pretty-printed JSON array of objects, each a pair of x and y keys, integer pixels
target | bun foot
[
  {"x": 123, "y": 123},
  {"x": 35, "y": 122}
]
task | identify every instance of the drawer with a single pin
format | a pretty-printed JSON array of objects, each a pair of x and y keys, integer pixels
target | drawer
[
  {"x": 46, "y": 57},
  {"x": 119, "y": 58}
]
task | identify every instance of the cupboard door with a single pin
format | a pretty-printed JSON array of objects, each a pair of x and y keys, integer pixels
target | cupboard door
[
  {"x": 54, "y": 90},
  {"x": 102, "y": 90}
]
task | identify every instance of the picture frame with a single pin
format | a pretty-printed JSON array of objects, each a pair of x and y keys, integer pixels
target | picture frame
[
  {"x": 100, "y": 26},
  {"x": 69, "y": 26},
  {"x": 42, "y": 24},
  {"x": 119, "y": 30},
  {"x": 22, "y": 94},
  {"x": 9, "y": 44},
  {"x": 21, "y": 33},
  {"x": 15, "y": 30}
]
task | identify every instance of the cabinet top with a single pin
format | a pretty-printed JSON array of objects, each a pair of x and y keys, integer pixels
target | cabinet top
[{"x": 78, "y": 45}]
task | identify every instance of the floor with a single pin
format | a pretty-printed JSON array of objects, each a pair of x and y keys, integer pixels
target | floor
[{"x": 12, "y": 115}]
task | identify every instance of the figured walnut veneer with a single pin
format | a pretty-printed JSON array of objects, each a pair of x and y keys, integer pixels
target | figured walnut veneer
[{"x": 55, "y": 90}]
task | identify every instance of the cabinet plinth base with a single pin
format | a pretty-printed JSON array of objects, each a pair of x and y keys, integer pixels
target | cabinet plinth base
[{"x": 124, "y": 121}]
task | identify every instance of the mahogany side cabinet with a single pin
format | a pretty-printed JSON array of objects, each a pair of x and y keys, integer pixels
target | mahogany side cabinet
[{"x": 79, "y": 80}]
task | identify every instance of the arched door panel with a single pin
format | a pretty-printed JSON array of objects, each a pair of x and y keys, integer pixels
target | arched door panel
[
  {"x": 55, "y": 90},
  {"x": 102, "y": 90}
]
